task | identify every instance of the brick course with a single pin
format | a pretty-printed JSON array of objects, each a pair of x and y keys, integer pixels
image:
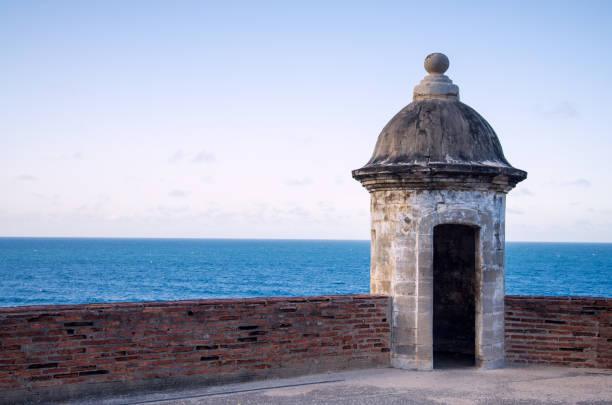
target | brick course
[
  {"x": 210, "y": 341},
  {"x": 55, "y": 352},
  {"x": 559, "y": 331}
]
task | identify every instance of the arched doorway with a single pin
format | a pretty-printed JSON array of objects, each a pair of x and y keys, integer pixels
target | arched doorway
[{"x": 454, "y": 298}]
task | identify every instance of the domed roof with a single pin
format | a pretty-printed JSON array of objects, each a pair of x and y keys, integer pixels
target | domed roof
[
  {"x": 438, "y": 131},
  {"x": 437, "y": 137}
]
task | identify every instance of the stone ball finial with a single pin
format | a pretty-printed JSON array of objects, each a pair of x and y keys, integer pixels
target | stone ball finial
[{"x": 436, "y": 63}]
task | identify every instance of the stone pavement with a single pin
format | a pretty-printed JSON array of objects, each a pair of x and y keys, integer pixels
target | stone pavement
[{"x": 510, "y": 385}]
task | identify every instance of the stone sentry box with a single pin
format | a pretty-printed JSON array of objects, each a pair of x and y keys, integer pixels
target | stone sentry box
[{"x": 438, "y": 180}]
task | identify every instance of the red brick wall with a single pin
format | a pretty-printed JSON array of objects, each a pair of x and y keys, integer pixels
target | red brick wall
[
  {"x": 559, "y": 331},
  {"x": 205, "y": 340},
  {"x": 54, "y": 352}
]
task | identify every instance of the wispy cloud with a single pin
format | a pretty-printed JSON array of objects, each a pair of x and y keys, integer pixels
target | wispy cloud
[
  {"x": 600, "y": 211},
  {"x": 170, "y": 210},
  {"x": 298, "y": 182},
  {"x": 178, "y": 193},
  {"x": 522, "y": 191},
  {"x": 583, "y": 183},
  {"x": 26, "y": 177},
  {"x": 563, "y": 109},
  {"x": 69, "y": 156},
  {"x": 515, "y": 211},
  {"x": 301, "y": 139},
  {"x": 326, "y": 207},
  {"x": 203, "y": 157},
  {"x": 297, "y": 212},
  {"x": 177, "y": 156}
]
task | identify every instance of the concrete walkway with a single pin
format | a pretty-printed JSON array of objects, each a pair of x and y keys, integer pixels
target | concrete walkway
[{"x": 511, "y": 385}]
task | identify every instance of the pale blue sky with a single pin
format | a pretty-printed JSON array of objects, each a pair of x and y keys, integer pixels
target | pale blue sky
[{"x": 244, "y": 119}]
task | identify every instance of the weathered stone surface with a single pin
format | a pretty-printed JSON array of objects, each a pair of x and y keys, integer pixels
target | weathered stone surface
[
  {"x": 438, "y": 162},
  {"x": 438, "y": 131},
  {"x": 437, "y": 141},
  {"x": 403, "y": 267}
]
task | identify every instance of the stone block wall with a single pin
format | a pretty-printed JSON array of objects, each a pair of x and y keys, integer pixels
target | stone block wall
[
  {"x": 66, "y": 351},
  {"x": 559, "y": 331},
  {"x": 402, "y": 266}
]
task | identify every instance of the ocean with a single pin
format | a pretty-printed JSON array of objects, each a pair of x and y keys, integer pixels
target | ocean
[{"x": 37, "y": 271}]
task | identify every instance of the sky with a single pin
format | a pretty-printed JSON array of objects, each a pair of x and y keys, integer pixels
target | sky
[{"x": 244, "y": 119}]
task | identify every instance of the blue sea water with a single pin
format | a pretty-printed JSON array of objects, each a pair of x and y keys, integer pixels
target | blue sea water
[{"x": 79, "y": 270}]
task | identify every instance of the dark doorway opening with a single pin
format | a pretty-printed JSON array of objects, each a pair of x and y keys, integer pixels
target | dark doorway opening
[{"x": 454, "y": 300}]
